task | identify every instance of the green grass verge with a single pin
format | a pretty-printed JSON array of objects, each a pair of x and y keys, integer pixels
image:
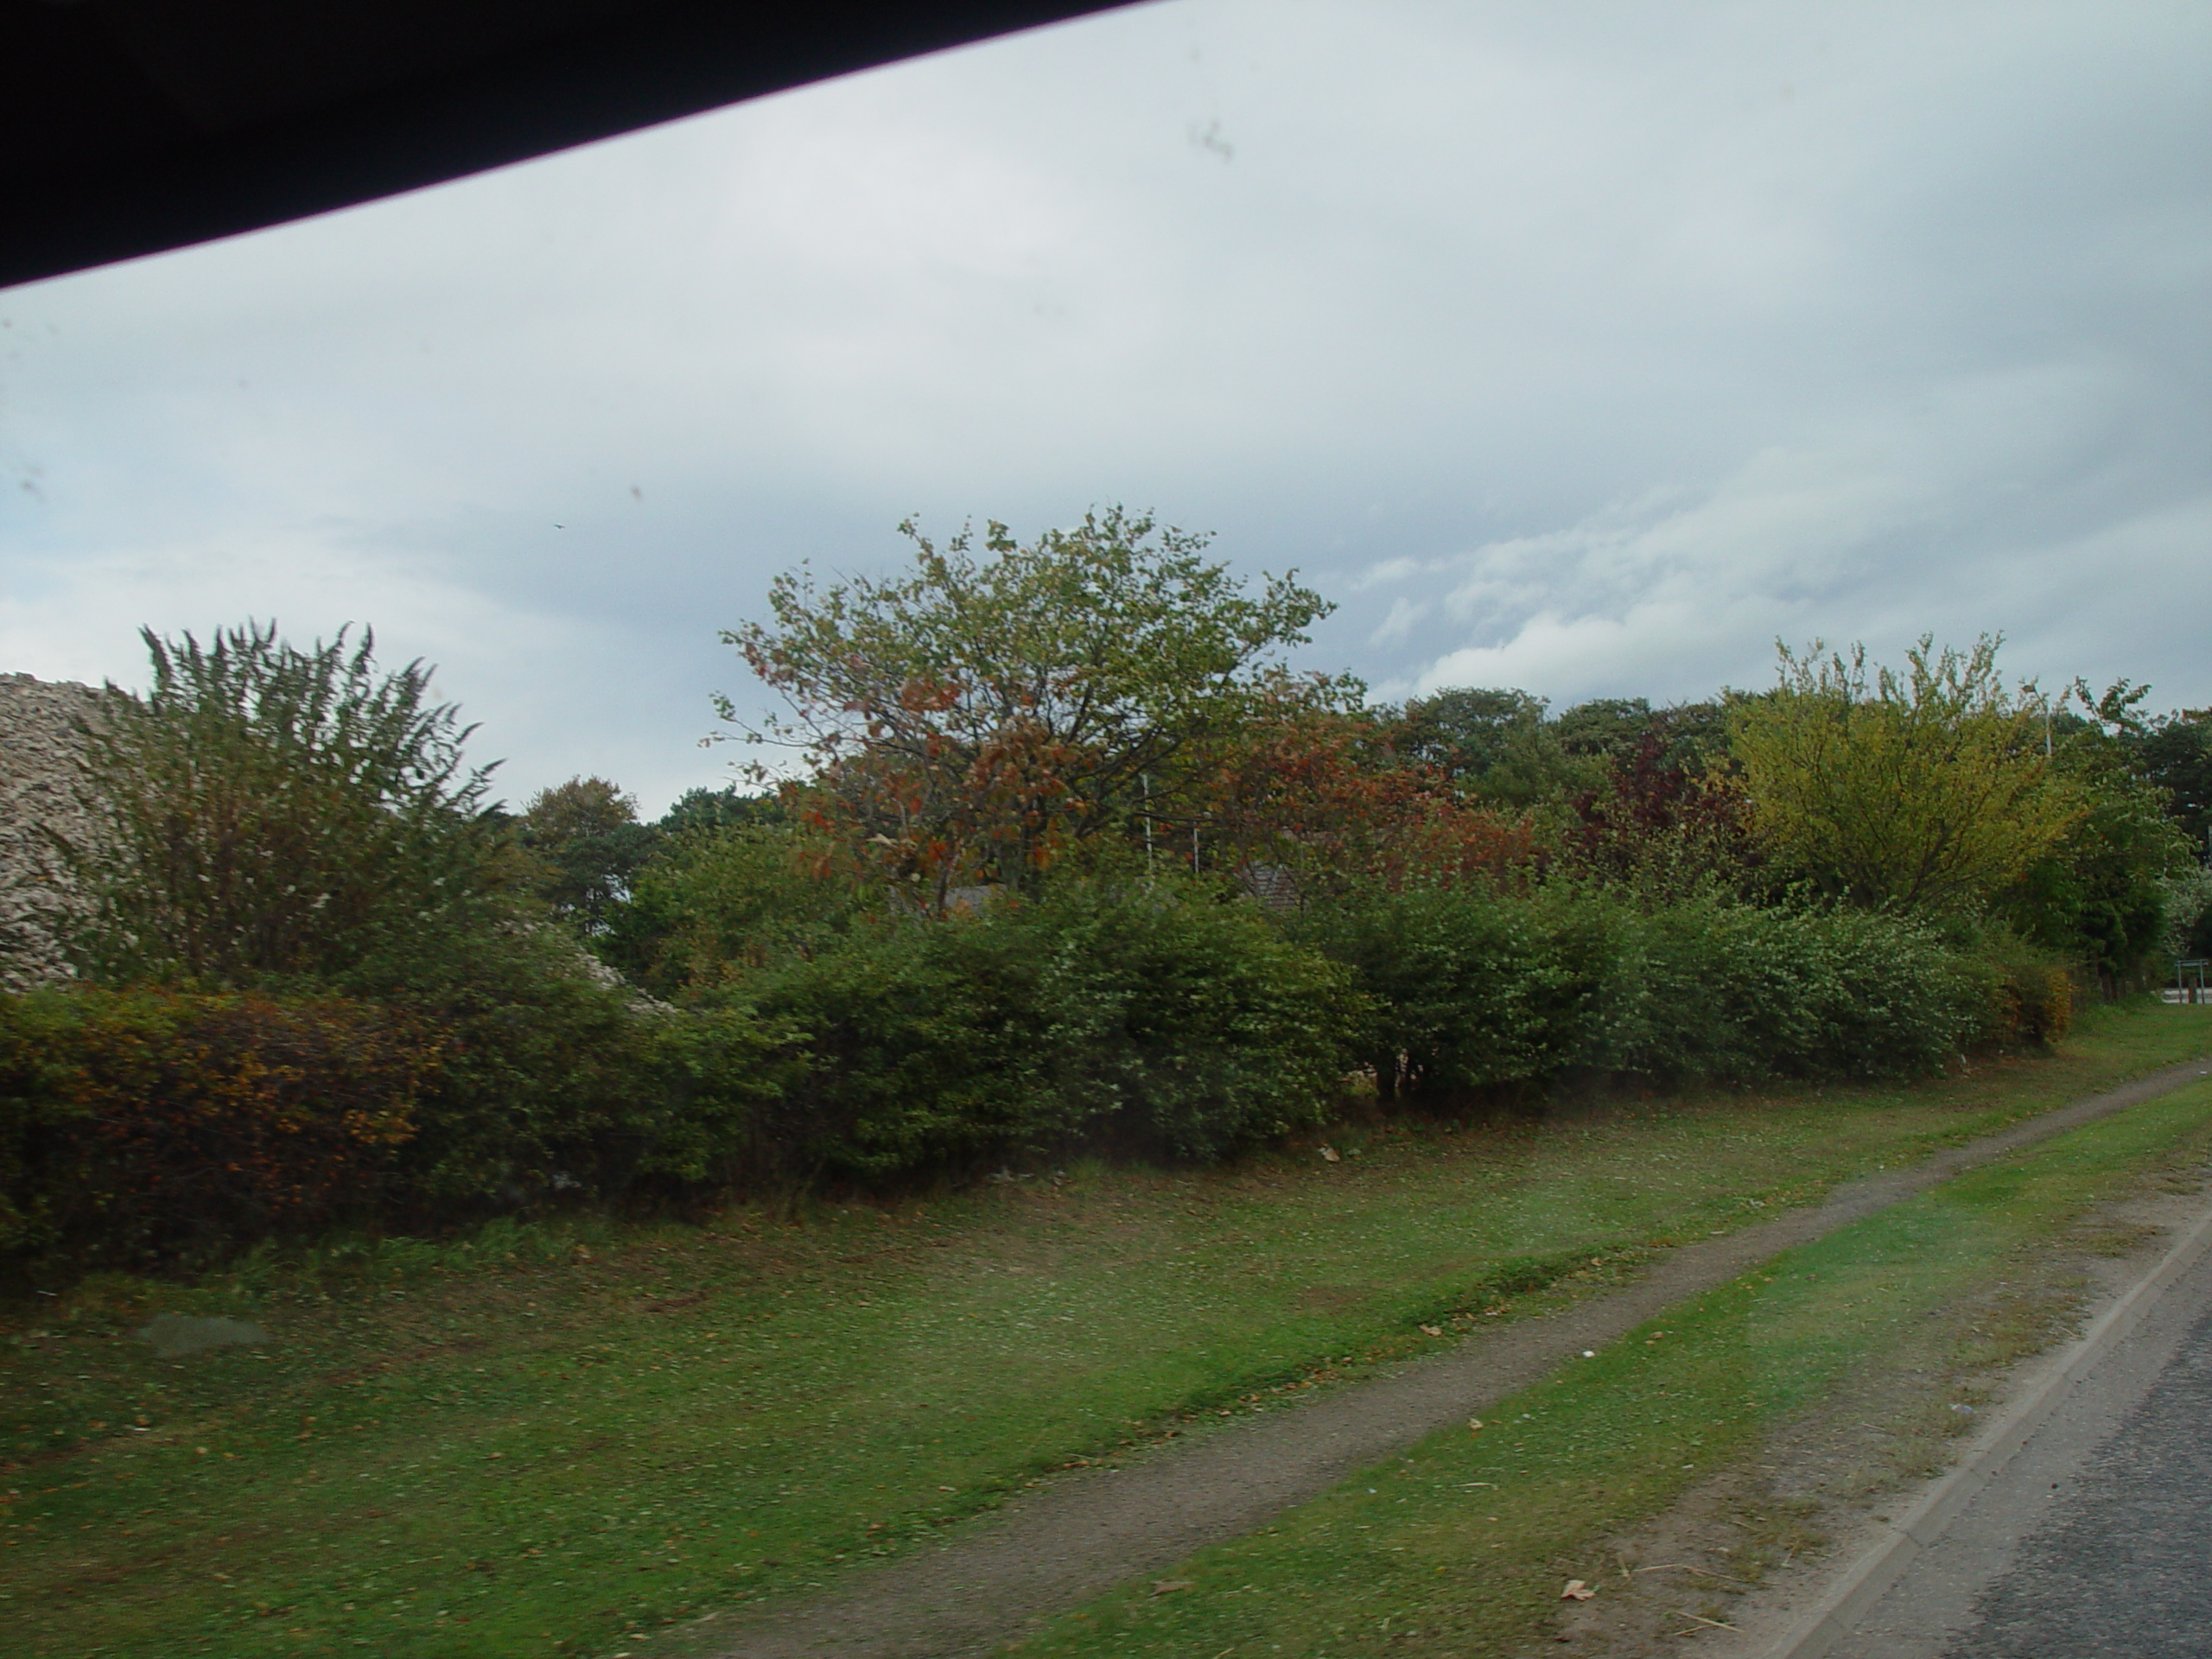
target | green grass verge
[
  {"x": 1463, "y": 1545},
  {"x": 548, "y": 1438}
]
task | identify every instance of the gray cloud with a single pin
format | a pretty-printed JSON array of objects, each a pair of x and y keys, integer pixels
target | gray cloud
[{"x": 1583, "y": 346}]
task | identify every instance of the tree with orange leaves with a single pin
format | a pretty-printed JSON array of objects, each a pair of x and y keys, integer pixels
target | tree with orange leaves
[
  {"x": 1325, "y": 791},
  {"x": 997, "y": 706}
]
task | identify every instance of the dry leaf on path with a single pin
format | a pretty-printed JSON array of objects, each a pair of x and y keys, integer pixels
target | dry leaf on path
[
  {"x": 1329, "y": 1153},
  {"x": 1432, "y": 1330},
  {"x": 1169, "y": 1586},
  {"x": 1576, "y": 1590}
]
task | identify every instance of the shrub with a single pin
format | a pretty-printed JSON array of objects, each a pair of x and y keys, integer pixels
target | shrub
[
  {"x": 136, "y": 1125},
  {"x": 1182, "y": 1022},
  {"x": 719, "y": 900},
  {"x": 1470, "y": 989},
  {"x": 1735, "y": 993},
  {"x": 1508, "y": 995},
  {"x": 1157, "y": 1016},
  {"x": 557, "y": 1078},
  {"x": 269, "y": 815},
  {"x": 142, "y": 1127},
  {"x": 2026, "y": 995}
]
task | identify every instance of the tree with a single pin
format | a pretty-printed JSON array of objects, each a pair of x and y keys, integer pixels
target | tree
[
  {"x": 2175, "y": 752},
  {"x": 265, "y": 814},
  {"x": 1664, "y": 827},
  {"x": 1321, "y": 792},
  {"x": 718, "y": 809},
  {"x": 1611, "y": 729},
  {"x": 586, "y": 835},
  {"x": 977, "y": 718},
  {"x": 1492, "y": 743},
  {"x": 1927, "y": 790},
  {"x": 2101, "y": 893}
]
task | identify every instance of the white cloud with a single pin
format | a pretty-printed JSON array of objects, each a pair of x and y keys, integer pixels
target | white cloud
[{"x": 1985, "y": 513}]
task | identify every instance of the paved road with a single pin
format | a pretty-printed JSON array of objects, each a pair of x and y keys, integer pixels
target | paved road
[{"x": 2096, "y": 1539}]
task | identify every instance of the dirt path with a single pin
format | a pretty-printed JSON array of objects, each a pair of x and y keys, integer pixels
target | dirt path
[{"x": 1087, "y": 1532}]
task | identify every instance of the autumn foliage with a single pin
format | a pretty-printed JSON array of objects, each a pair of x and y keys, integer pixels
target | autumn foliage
[
  {"x": 1004, "y": 704},
  {"x": 144, "y": 1123},
  {"x": 1321, "y": 792}
]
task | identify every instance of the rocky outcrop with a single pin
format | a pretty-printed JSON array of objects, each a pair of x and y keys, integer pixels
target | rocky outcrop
[{"x": 42, "y": 725}]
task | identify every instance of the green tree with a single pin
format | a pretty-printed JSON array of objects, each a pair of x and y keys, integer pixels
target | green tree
[
  {"x": 705, "y": 809},
  {"x": 1926, "y": 788},
  {"x": 2101, "y": 893},
  {"x": 977, "y": 718},
  {"x": 586, "y": 836},
  {"x": 1493, "y": 745},
  {"x": 265, "y": 814},
  {"x": 2175, "y": 752},
  {"x": 1611, "y": 729}
]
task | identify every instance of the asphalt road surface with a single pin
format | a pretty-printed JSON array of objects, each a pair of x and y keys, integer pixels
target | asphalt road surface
[{"x": 2096, "y": 1539}]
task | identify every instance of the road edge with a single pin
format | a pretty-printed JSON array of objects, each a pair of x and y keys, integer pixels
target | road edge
[{"x": 1902, "y": 1541}]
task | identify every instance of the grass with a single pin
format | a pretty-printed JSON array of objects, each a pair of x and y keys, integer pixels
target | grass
[
  {"x": 1464, "y": 1544},
  {"x": 553, "y": 1439}
]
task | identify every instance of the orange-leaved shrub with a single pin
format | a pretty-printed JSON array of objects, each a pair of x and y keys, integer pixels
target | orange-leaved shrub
[{"x": 142, "y": 1127}]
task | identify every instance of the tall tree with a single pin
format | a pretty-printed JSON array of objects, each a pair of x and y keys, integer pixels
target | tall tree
[
  {"x": 2175, "y": 752},
  {"x": 1000, "y": 705},
  {"x": 1493, "y": 744},
  {"x": 588, "y": 841},
  {"x": 1925, "y": 789}
]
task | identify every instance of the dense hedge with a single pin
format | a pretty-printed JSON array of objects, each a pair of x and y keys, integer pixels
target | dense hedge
[
  {"x": 1159, "y": 1017},
  {"x": 1477, "y": 990},
  {"x": 142, "y": 1127},
  {"x": 142, "y": 1124},
  {"x": 1166, "y": 1019}
]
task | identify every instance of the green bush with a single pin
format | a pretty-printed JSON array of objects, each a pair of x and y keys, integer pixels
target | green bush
[
  {"x": 1471, "y": 989},
  {"x": 2026, "y": 995},
  {"x": 1508, "y": 995},
  {"x": 1737, "y": 993},
  {"x": 268, "y": 817},
  {"x": 1160, "y": 1017},
  {"x": 718, "y": 901},
  {"x": 1182, "y": 1022},
  {"x": 557, "y": 1078}
]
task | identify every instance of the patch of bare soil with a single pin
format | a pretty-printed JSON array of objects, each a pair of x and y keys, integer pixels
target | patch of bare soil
[
  {"x": 1734, "y": 1565},
  {"x": 1085, "y": 1532}
]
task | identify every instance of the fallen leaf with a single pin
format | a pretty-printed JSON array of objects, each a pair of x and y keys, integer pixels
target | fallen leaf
[
  {"x": 1475, "y": 1423},
  {"x": 1329, "y": 1153},
  {"x": 1576, "y": 1590},
  {"x": 1432, "y": 1330},
  {"x": 1169, "y": 1586}
]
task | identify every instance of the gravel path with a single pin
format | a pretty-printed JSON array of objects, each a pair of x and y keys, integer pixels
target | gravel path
[{"x": 1086, "y": 1532}]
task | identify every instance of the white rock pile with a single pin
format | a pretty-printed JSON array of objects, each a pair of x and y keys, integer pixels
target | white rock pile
[{"x": 40, "y": 735}]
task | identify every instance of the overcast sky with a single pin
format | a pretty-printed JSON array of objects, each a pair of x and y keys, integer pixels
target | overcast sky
[{"x": 1586, "y": 347}]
